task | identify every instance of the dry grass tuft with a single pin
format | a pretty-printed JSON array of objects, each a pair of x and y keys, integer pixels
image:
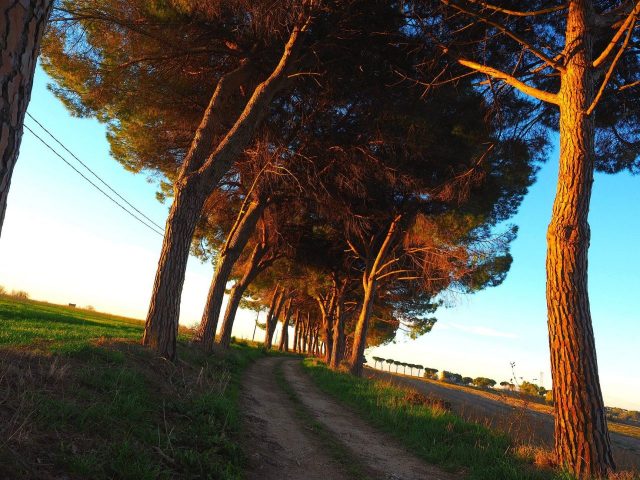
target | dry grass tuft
[{"x": 540, "y": 456}]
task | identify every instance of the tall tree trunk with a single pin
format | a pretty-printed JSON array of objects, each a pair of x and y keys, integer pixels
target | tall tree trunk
[
  {"x": 338, "y": 337},
  {"x": 296, "y": 332},
  {"x": 581, "y": 436},
  {"x": 360, "y": 334},
  {"x": 348, "y": 346},
  {"x": 327, "y": 307},
  {"x": 284, "y": 335},
  {"x": 314, "y": 343},
  {"x": 161, "y": 327},
  {"x": 305, "y": 334},
  {"x": 273, "y": 321},
  {"x": 21, "y": 29},
  {"x": 369, "y": 284},
  {"x": 201, "y": 172},
  {"x": 327, "y": 337},
  {"x": 275, "y": 302},
  {"x": 252, "y": 269},
  {"x": 237, "y": 240}
]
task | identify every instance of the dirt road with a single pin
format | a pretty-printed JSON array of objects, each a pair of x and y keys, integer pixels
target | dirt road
[{"x": 281, "y": 445}]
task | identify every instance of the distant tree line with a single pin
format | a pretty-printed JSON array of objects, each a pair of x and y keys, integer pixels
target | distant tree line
[
  {"x": 398, "y": 364},
  {"x": 624, "y": 416},
  {"x": 526, "y": 388}
]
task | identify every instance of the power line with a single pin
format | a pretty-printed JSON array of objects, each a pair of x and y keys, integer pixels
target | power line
[
  {"x": 151, "y": 227},
  {"x": 92, "y": 172}
]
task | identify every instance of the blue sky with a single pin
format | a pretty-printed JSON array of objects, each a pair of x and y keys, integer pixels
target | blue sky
[{"x": 62, "y": 241}]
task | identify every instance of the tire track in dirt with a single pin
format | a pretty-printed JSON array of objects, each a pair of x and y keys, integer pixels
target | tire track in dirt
[
  {"x": 277, "y": 443},
  {"x": 380, "y": 453}
]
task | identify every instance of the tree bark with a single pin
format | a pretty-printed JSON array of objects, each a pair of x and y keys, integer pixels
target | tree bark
[
  {"x": 161, "y": 327},
  {"x": 327, "y": 307},
  {"x": 21, "y": 27},
  {"x": 338, "y": 337},
  {"x": 582, "y": 441},
  {"x": 284, "y": 335},
  {"x": 235, "y": 244},
  {"x": 314, "y": 343},
  {"x": 296, "y": 332},
  {"x": 369, "y": 284},
  {"x": 360, "y": 334},
  {"x": 305, "y": 334},
  {"x": 272, "y": 321},
  {"x": 252, "y": 270},
  {"x": 275, "y": 301},
  {"x": 203, "y": 177}
]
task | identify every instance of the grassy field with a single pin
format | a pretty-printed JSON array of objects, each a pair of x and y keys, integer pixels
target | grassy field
[
  {"x": 513, "y": 399},
  {"x": 439, "y": 436},
  {"x": 81, "y": 399},
  {"x": 524, "y": 421}
]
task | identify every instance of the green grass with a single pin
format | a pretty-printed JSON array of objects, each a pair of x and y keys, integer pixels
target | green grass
[
  {"x": 81, "y": 399},
  {"x": 39, "y": 325},
  {"x": 439, "y": 437}
]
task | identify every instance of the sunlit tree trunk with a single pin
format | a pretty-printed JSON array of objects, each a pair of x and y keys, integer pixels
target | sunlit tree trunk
[
  {"x": 22, "y": 24},
  {"x": 314, "y": 343},
  {"x": 201, "y": 172},
  {"x": 369, "y": 285},
  {"x": 360, "y": 334},
  {"x": 284, "y": 334},
  {"x": 327, "y": 310},
  {"x": 252, "y": 269},
  {"x": 582, "y": 439},
  {"x": 305, "y": 334},
  {"x": 273, "y": 307},
  {"x": 273, "y": 321},
  {"x": 338, "y": 337},
  {"x": 237, "y": 240},
  {"x": 296, "y": 332},
  {"x": 162, "y": 320}
]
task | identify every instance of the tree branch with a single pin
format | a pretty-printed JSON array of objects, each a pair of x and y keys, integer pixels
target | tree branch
[
  {"x": 515, "y": 13},
  {"x": 382, "y": 253},
  {"x": 610, "y": 19},
  {"x": 629, "y": 23},
  {"x": 629, "y": 85},
  {"x": 549, "y": 61},
  {"x": 612, "y": 67},
  {"x": 393, "y": 272},
  {"x": 389, "y": 263},
  {"x": 511, "y": 80}
]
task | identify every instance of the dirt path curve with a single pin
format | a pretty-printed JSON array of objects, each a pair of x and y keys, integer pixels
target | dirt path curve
[
  {"x": 277, "y": 444},
  {"x": 379, "y": 454}
]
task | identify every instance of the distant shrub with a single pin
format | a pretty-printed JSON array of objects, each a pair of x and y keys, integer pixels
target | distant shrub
[
  {"x": 532, "y": 389},
  {"x": 548, "y": 397},
  {"x": 484, "y": 382},
  {"x": 3, "y": 291},
  {"x": 450, "y": 377},
  {"x": 622, "y": 415},
  {"x": 20, "y": 294},
  {"x": 431, "y": 373},
  {"x": 91, "y": 308}
]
